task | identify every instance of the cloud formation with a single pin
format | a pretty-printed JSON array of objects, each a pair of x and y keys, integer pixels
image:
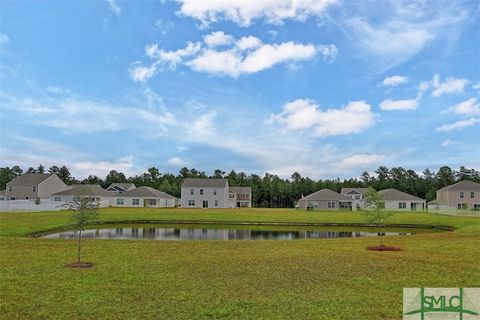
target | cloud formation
[
  {"x": 470, "y": 107},
  {"x": 243, "y": 13},
  {"x": 407, "y": 104},
  {"x": 114, "y": 7},
  {"x": 306, "y": 115},
  {"x": 459, "y": 125},
  {"x": 394, "y": 81},
  {"x": 222, "y": 55}
]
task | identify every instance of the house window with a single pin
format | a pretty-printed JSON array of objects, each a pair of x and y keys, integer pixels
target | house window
[
  {"x": 57, "y": 199},
  {"x": 216, "y": 203},
  {"x": 232, "y": 195},
  {"x": 34, "y": 188},
  {"x": 136, "y": 202},
  {"x": 201, "y": 192},
  {"x": 214, "y": 192},
  {"x": 472, "y": 194},
  {"x": 331, "y": 204},
  {"x": 192, "y": 192},
  {"x": 357, "y": 197},
  {"x": 120, "y": 201},
  {"x": 10, "y": 188},
  {"x": 476, "y": 206},
  {"x": 461, "y": 194},
  {"x": 12, "y": 198},
  {"x": 191, "y": 202},
  {"x": 402, "y": 205},
  {"x": 460, "y": 206},
  {"x": 152, "y": 202}
]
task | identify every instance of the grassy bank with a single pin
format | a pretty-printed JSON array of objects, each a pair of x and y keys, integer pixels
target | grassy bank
[{"x": 321, "y": 279}]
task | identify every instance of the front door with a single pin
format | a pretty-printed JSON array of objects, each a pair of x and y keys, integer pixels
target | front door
[{"x": 205, "y": 203}]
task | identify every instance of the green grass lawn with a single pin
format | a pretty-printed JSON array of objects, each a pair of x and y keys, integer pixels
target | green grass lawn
[{"x": 301, "y": 279}]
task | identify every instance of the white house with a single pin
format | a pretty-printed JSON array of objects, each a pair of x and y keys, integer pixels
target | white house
[
  {"x": 357, "y": 195},
  {"x": 144, "y": 197},
  {"x": 325, "y": 199},
  {"x": 398, "y": 200}
]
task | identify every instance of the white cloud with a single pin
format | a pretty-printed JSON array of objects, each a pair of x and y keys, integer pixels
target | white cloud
[
  {"x": 244, "y": 12},
  {"x": 218, "y": 38},
  {"x": 140, "y": 73},
  {"x": 114, "y": 7},
  {"x": 407, "y": 104},
  {"x": 202, "y": 126},
  {"x": 237, "y": 57},
  {"x": 359, "y": 162},
  {"x": 470, "y": 107},
  {"x": 459, "y": 125},
  {"x": 176, "y": 161},
  {"x": 304, "y": 114},
  {"x": 394, "y": 32},
  {"x": 102, "y": 168},
  {"x": 164, "y": 26},
  {"x": 394, "y": 81},
  {"x": 476, "y": 86},
  {"x": 4, "y": 39},
  {"x": 450, "y": 85}
]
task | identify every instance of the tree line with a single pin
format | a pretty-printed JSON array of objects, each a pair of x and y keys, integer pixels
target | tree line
[{"x": 270, "y": 190}]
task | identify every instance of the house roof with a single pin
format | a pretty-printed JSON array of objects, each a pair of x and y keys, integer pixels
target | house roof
[
  {"x": 123, "y": 186},
  {"x": 326, "y": 194},
  {"x": 354, "y": 190},
  {"x": 206, "y": 183},
  {"x": 29, "y": 179},
  {"x": 434, "y": 201},
  {"x": 241, "y": 189},
  {"x": 462, "y": 185},
  {"x": 84, "y": 189},
  {"x": 394, "y": 194},
  {"x": 146, "y": 192}
]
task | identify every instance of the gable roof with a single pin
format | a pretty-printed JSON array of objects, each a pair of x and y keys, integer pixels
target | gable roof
[
  {"x": 326, "y": 194},
  {"x": 29, "y": 179},
  {"x": 394, "y": 194},
  {"x": 354, "y": 190},
  {"x": 123, "y": 186},
  {"x": 85, "y": 189},
  {"x": 462, "y": 185},
  {"x": 206, "y": 183},
  {"x": 146, "y": 192}
]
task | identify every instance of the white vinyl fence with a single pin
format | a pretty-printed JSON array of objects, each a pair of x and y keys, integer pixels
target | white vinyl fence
[{"x": 45, "y": 205}]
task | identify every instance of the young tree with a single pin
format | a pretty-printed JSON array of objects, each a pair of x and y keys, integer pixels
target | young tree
[
  {"x": 85, "y": 212},
  {"x": 376, "y": 213}
]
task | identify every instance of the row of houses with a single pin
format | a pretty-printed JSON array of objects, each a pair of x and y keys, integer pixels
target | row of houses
[
  {"x": 196, "y": 193},
  {"x": 216, "y": 193},
  {"x": 463, "y": 195}
]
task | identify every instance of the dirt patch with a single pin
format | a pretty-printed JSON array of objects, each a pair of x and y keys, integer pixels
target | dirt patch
[
  {"x": 81, "y": 265},
  {"x": 383, "y": 248}
]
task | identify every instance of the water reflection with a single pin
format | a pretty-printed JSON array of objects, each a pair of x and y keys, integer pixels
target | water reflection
[{"x": 192, "y": 233}]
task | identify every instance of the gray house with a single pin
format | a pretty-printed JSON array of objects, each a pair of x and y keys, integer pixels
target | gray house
[
  {"x": 121, "y": 187},
  {"x": 205, "y": 193},
  {"x": 30, "y": 186},
  {"x": 325, "y": 199},
  {"x": 144, "y": 197},
  {"x": 398, "y": 200},
  {"x": 357, "y": 195}
]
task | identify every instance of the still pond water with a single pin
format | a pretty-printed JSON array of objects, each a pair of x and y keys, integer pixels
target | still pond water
[{"x": 182, "y": 232}]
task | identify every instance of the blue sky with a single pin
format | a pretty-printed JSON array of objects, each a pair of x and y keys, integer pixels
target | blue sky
[{"x": 328, "y": 88}]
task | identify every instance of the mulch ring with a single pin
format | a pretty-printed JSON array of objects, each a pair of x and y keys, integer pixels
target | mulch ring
[
  {"x": 81, "y": 265},
  {"x": 383, "y": 248}
]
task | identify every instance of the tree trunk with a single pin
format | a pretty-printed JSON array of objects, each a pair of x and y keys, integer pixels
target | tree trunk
[{"x": 79, "y": 239}]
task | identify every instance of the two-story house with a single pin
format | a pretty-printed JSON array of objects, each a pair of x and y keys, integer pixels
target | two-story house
[
  {"x": 31, "y": 186},
  {"x": 462, "y": 195},
  {"x": 240, "y": 197},
  {"x": 204, "y": 193},
  {"x": 357, "y": 195}
]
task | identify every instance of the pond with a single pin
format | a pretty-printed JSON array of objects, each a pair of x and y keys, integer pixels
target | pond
[{"x": 202, "y": 232}]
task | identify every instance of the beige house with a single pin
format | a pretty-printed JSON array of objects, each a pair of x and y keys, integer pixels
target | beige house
[
  {"x": 462, "y": 195},
  {"x": 240, "y": 197},
  {"x": 102, "y": 196},
  {"x": 144, "y": 197},
  {"x": 30, "y": 186},
  {"x": 325, "y": 199},
  {"x": 398, "y": 200},
  {"x": 205, "y": 193},
  {"x": 121, "y": 187}
]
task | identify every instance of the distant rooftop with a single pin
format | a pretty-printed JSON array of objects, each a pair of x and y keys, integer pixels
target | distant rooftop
[
  {"x": 394, "y": 194},
  {"x": 85, "y": 189},
  {"x": 29, "y": 179},
  {"x": 146, "y": 192},
  {"x": 326, "y": 194},
  {"x": 207, "y": 183},
  {"x": 462, "y": 185}
]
